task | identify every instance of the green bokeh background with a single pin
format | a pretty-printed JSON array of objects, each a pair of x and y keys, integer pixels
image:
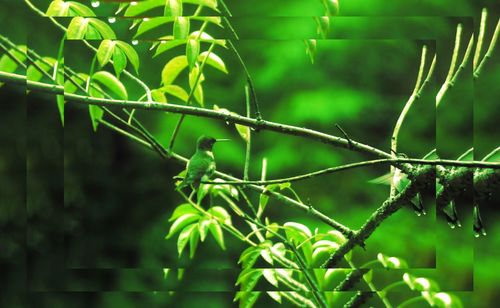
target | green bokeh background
[{"x": 93, "y": 210}]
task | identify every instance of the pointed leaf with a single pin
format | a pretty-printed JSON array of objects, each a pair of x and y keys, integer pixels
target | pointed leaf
[
  {"x": 78, "y": 9},
  {"x": 182, "y": 209},
  {"x": 119, "y": 61},
  {"x": 270, "y": 275},
  {"x": 175, "y": 91},
  {"x": 184, "y": 237},
  {"x": 193, "y": 242},
  {"x": 192, "y": 51},
  {"x": 103, "y": 28},
  {"x": 77, "y": 28},
  {"x": 221, "y": 214},
  {"x": 152, "y": 23},
  {"x": 243, "y": 131},
  {"x": 131, "y": 54},
  {"x": 181, "y": 28},
  {"x": 96, "y": 114},
  {"x": 203, "y": 225},
  {"x": 181, "y": 222},
  {"x": 167, "y": 45},
  {"x": 172, "y": 69},
  {"x": 105, "y": 52},
  {"x": 112, "y": 83},
  {"x": 213, "y": 60},
  {"x": 216, "y": 231}
]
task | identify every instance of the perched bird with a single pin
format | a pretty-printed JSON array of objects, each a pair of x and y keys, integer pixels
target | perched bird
[{"x": 201, "y": 166}]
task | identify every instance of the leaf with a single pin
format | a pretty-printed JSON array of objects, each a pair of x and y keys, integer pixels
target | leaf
[
  {"x": 96, "y": 114},
  {"x": 167, "y": 45},
  {"x": 112, "y": 83},
  {"x": 247, "y": 299},
  {"x": 391, "y": 262},
  {"x": 192, "y": 51},
  {"x": 185, "y": 208},
  {"x": 181, "y": 28},
  {"x": 331, "y": 7},
  {"x": 249, "y": 256},
  {"x": 77, "y": 28},
  {"x": 69, "y": 87},
  {"x": 216, "y": 231},
  {"x": 205, "y": 37},
  {"x": 243, "y": 131},
  {"x": 33, "y": 74},
  {"x": 92, "y": 33},
  {"x": 266, "y": 255},
  {"x": 105, "y": 52},
  {"x": 103, "y": 28},
  {"x": 172, "y": 69},
  {"x": 8, "y": 65},
  {"x": 158, "y": 96},
  {"x": 78, "y": 9},
  {"x": 184, "y": 238},
  {"x": 165, "y": 273},
  {"x": 297, "y": 232},
  {"x": 131, "y": 54},
  {"x": 175, "y": 91},
  {"x": 321, "y": 254},
  {"x": 203, "y": 225},
  {"x": 221, "y": 214},
  {"x": 274, "y": 295},
  {"x": 119, "y": 61},
  {"x": 270, "y": 275},
  {"x": 195, "y": 79},
  {"x": 322, "y": 25},
  {"x": 181, "y": 222},
  {"x": 193, "y": 242},
  {"x": 311, "y": 49},
  {"x": 173, "y": 8},
  {"x": 213, "y": 60},
  {"x": 152, "y": 23},
  {"x": 248, "y": 279},
  {"x": 57, "y": 8},
  {"x": 60, "y": 107},
  {"x": 208, "y": 3},
  {"x": 142, "y": 7}
]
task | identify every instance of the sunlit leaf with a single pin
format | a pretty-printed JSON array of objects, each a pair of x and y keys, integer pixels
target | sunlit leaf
[
  {"x": 152, "y": 23},
  {"x": 141, "y": 7},
  {"x": 181, "y": 27},
  {"x": 105, "y": 52},
  {"x": 182, "y": 209},
  {"x": 77, "y": 28},
  {"x": 248, "y": 279},
  {"x": 221, "y": 214},
  {"x": 130, "y": 53},
  {"x": 275, "y": 296},
  {"x": 176, "y": 91},
  {"x": 184, "y": 237},
  {"x": 46, "y": 64},
  {"x": 78, "y": 9},
  {"x": 168, "y": 44},
  {"x": 172, "y": 69},
  {"x": 58, "y": 8},
  {"x": 103, "y": 28},
  {"x": 112, "y": 83},
  {"x": 173, "y": 8},
  {"x": 213, "y": 60},
  {"x": 249, "y": 256},
  {"x": 192, "y": 51},
  {"x": 203, "y": 225},
  {"x": 158, "y": 96},
  {"x": 96, "y": 114},
  {"x": 270, "y": 275},
  {"x": 181, "y": 222},
  {"x": 216, "y": 231},
  {"x": 193, "y": 242}
]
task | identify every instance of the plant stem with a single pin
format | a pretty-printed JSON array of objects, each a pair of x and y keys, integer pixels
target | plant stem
[
  {"x": 489, "y": 52},
  {"x": 480, "y": 38},
  {"x": 453, "y": 63},
  {"x": 249, "y": 136}
]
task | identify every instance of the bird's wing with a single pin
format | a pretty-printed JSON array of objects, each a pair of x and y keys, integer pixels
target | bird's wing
[{"x": 197, "y": 167}]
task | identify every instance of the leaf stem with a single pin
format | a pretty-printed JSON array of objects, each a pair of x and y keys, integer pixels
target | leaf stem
[{"x": 453, "y": 63}]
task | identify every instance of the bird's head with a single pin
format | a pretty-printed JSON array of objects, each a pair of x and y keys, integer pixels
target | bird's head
[{"x": 206, "y": 143}]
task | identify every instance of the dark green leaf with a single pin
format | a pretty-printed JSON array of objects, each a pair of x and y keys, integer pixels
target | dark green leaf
[
  {"x": 193, "y": 242},
  {"x": 33, "y": 74},
  {"x": 96, "y": 114}
]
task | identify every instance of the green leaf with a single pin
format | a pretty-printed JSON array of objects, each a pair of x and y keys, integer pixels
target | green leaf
[
  {"x": 142, "y": 7},
  {"x": 78, "y": 9},
  {"x": 69, "y": 87},
  {"x": 391, "y": 262},
  {"x": 248, "y": 279},
  {"x": 57, "y": 8},
  {"x": 249, "y": 256},
  {"x": 212, "y": 19},
  {"x": 203, "y": 225},
  {"x": 192, "y": 51},
  {"x": 243, "y": 131},
  {"x": 96, "y": 114},
  {"x": 33, "y": 74},
  {"x": 270, "y": 275},
  {"x": 216, "y": 189},
  {"x": 221, "y": 214},
  {"x": 92, "y": 33},
  {"x": 216, "y": 231},
  {"x": 247, "y": 299},
  {"x": 184, "y": 238},
  {"x": 119, "y": 61},
  {"x": 173, "y": 8},
  {"x": 8, "y": 65},
  {"x": 274, "y": 295},
  {"x": 331, "y": 7},
  {"x": 131, "y": 54},
  {"x": 297, "y": 232},
  {"x": 446, "y": 300},
  {"x": 77, "y": 28},
  {"x": 152, "y": 23},
  {"x": 181, "y": 222},
  {"x": 321, "y": 255},
  {"x": 181, "y": 28},
  {"x": 105, "y": 52},
  {"x": 195, "y": 80},
  {"x": 208, "y": 3},
  {"x": 158, "y": 96},
  {"x": 60, "y": 107},
  {"x": 205, "y": 37},
  {"x": 165, "y": 273},
  {"x": 112, "y": 83},
  {"x": 193, "y": 242},
  {"x": 322, "y": 25},
  {"x": 103, "y": 28},
  {"x": 213, "y": 60},
  {"x": 311, "y": 49},
  {"x": 172, "y": 69},
  {"x": 185, "y": 208},
  {"x": 175, "y": 91},
  {"x": 168, "y": 44},
  {"x": 266, "y": 255}
]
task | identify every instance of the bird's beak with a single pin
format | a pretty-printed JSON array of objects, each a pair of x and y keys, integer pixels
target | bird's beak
[{"x": 222, "y": 140}]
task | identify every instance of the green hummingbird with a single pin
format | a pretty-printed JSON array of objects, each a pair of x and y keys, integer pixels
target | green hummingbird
[{"x": 201, "y": 166}]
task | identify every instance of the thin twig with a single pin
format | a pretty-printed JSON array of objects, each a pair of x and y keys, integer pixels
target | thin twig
[
  {"x": 453, "y": 63},
  {"x": 480, "y": 38},
  {"x": 12, "y": 56},
  {"x": 489, "y": 52},
  {"x": 249, "y": 137}
]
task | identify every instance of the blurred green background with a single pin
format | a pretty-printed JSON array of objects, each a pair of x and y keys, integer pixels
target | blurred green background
[{"x": 93, "y": 210}]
